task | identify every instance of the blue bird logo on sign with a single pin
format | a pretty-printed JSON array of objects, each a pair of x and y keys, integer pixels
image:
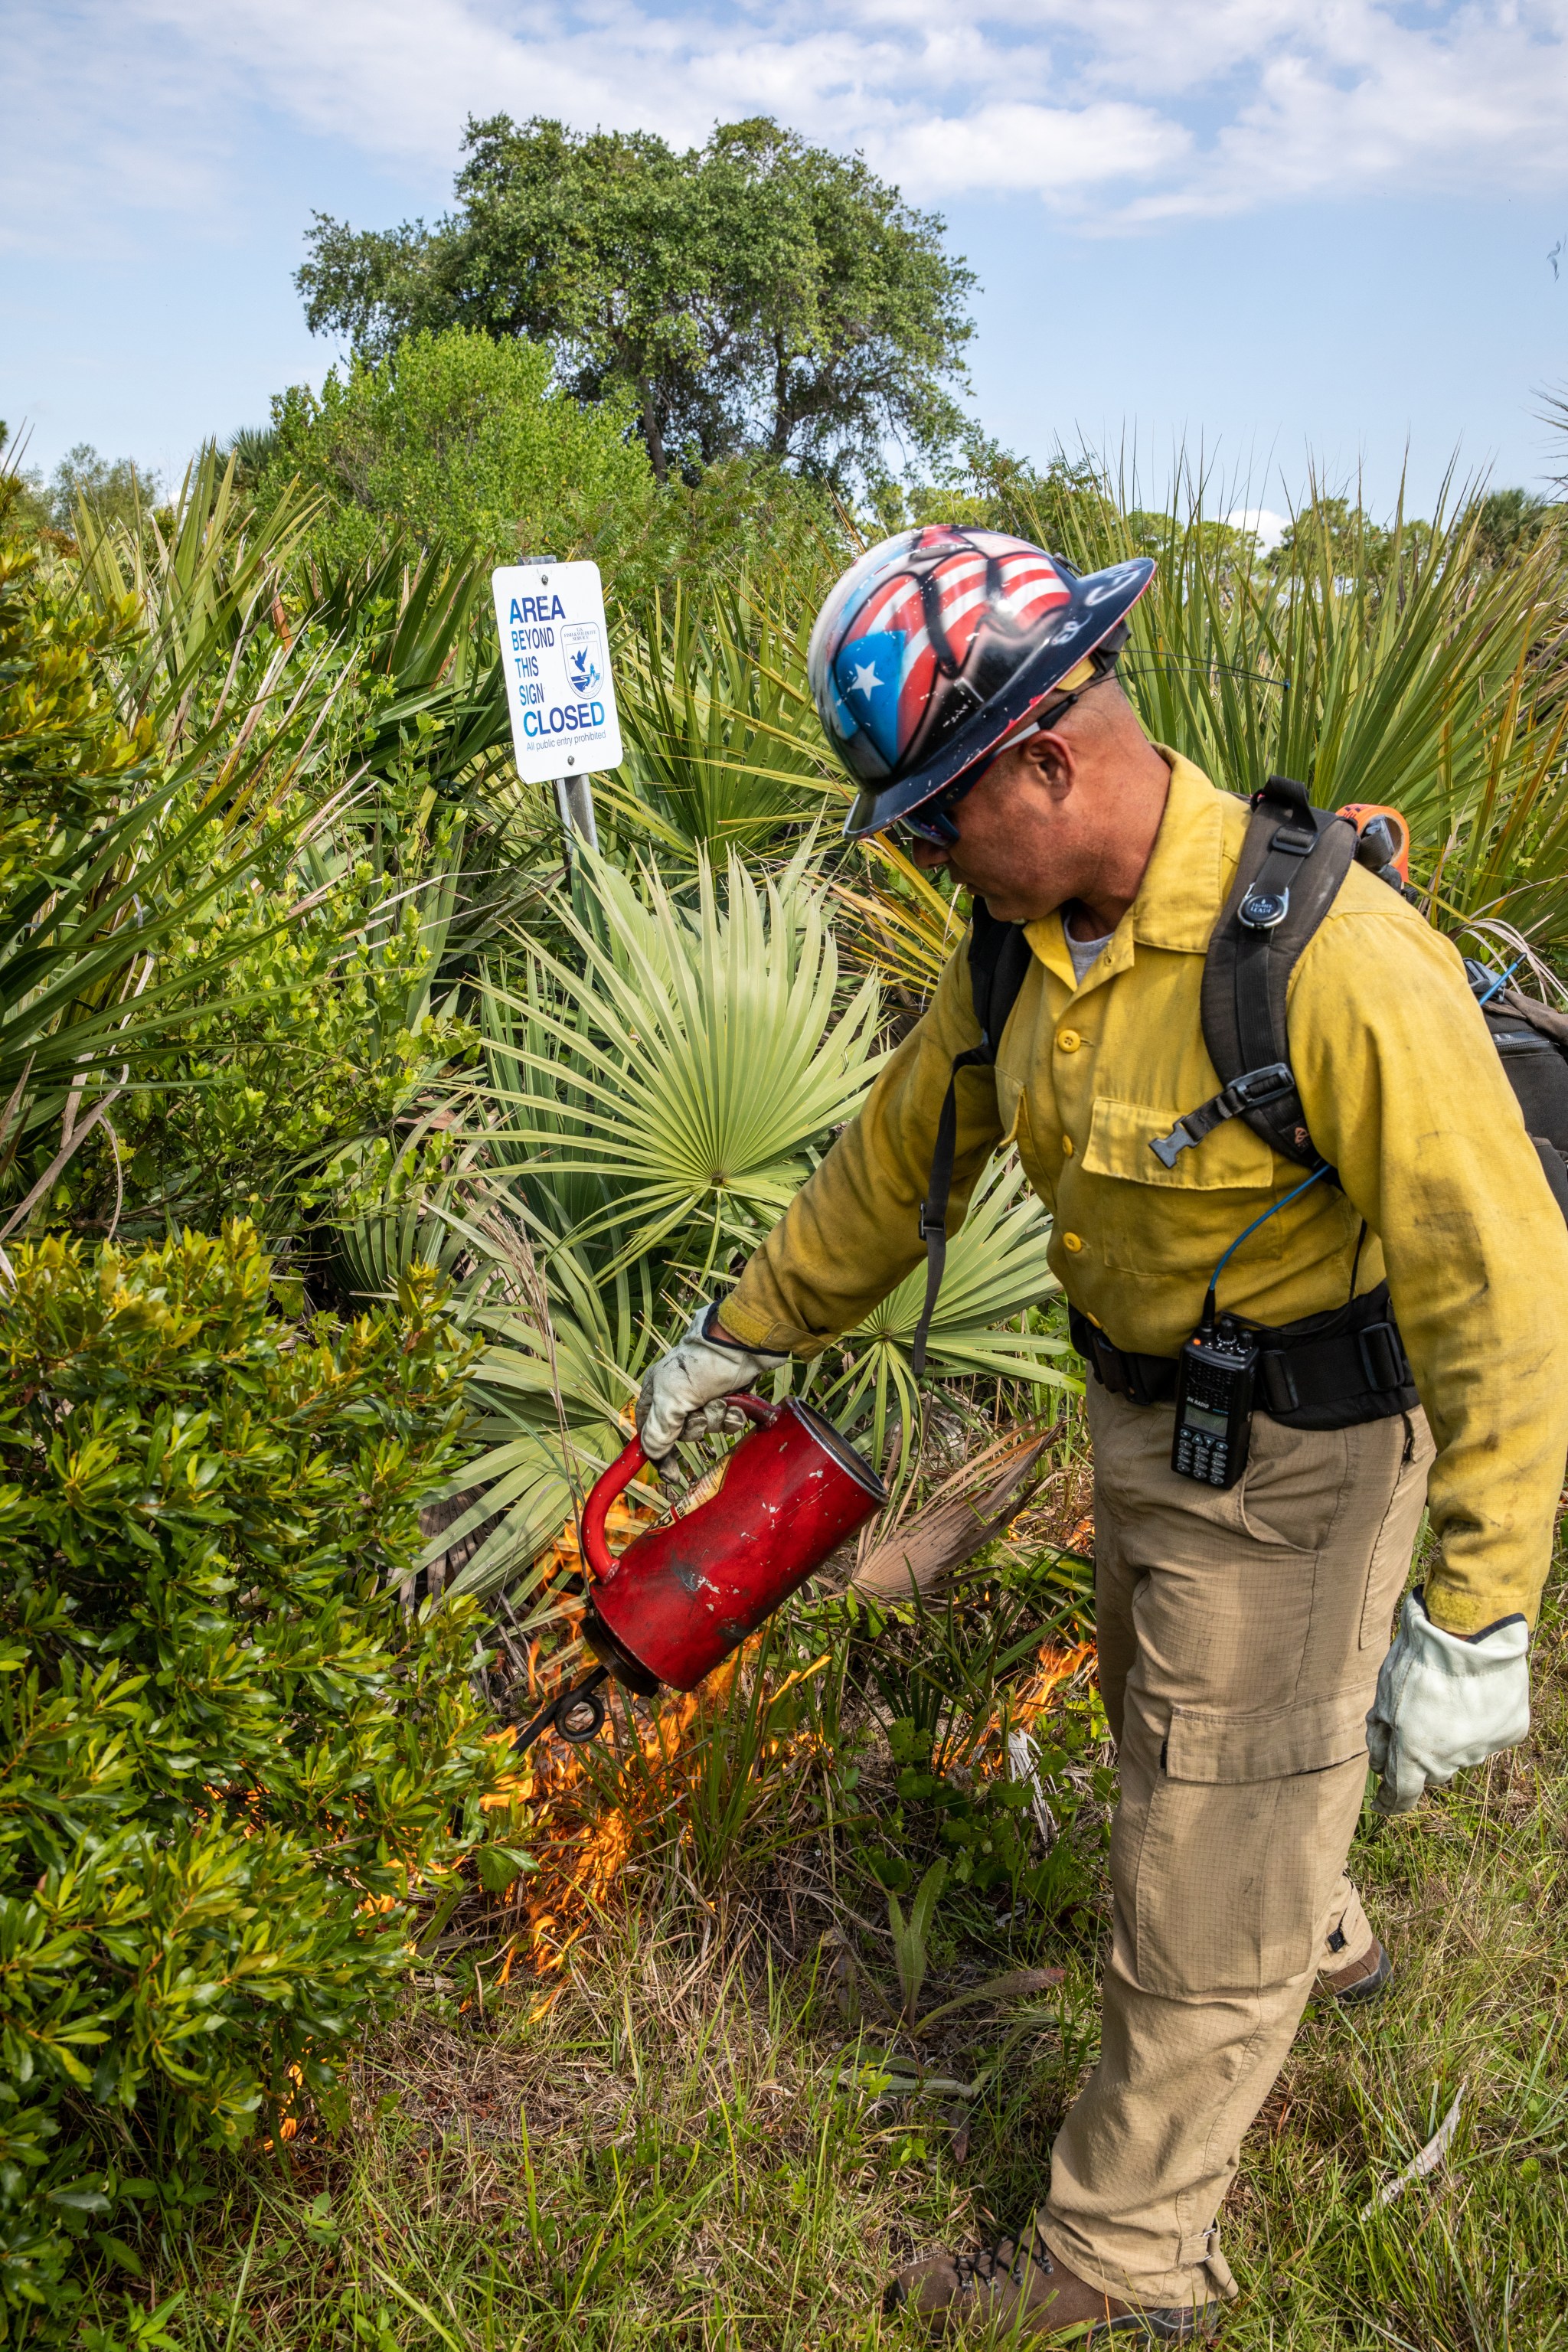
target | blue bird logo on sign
[{"x": 581, "y": 647}]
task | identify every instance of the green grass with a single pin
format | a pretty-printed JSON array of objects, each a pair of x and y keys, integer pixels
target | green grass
[{"x": 661, "y": 2144}]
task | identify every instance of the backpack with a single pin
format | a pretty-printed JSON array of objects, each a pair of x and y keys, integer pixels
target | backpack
[{"x": 1292, "y": 863}]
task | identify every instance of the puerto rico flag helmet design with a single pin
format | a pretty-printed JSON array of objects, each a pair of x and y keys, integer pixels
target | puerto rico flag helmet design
[{"x": 940, "y": 642}]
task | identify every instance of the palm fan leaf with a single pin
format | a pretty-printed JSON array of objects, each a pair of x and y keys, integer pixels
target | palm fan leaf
[{"x": 694, "y": 1063}]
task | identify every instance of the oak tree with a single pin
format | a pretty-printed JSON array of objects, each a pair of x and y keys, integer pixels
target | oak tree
[{"x": 757, "y": 294}]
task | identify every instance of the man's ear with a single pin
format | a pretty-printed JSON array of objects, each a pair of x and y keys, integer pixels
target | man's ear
[{"x": 1053, "y": 758}]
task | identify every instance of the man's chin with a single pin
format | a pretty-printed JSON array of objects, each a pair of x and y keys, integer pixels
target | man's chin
[
  {"x": 1002, "y": 905},
  {"x": 1005, "y": 902}
]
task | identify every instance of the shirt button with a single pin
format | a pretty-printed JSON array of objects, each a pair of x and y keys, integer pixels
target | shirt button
[
  {"x": 1066, "y": 1147},
  {"x": 1072, "y": 1241},
  {"x": 1068, "y": 1040}
]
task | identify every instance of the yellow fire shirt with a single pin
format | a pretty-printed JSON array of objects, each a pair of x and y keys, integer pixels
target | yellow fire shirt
[{"x": 1405, "y": 1097}]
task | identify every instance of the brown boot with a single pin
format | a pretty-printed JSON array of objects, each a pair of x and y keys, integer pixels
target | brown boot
[
  {"x": 1021, "y": 2290},
  {"x": 1361, "y": 1980}
]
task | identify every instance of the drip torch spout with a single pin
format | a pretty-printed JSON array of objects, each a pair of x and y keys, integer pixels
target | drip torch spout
[{"x": 578, "y": 1714}]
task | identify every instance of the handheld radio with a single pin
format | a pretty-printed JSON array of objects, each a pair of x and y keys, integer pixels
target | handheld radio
[
  {"x": 1214, "y": 1376},
  {"x": 1213, "y": 1405}
]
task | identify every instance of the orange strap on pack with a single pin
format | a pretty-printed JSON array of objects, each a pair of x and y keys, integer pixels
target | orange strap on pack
[{"x": 1363, "y": 813}]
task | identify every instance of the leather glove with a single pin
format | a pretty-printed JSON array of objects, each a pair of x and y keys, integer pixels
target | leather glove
[
  {"x": 1443, "y": 1702},
  {"x": 683, "y": 1395}
]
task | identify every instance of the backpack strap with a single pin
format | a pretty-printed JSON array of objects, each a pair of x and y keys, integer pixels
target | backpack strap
[
  {"x": 1292, "y": 863},
  {"x": 999, "y": 961}
]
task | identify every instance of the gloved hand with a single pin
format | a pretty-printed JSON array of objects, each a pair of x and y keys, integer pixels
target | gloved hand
[
  {"x": 1443, "y": 1702},
  {"x": 683, "y": 1395}
]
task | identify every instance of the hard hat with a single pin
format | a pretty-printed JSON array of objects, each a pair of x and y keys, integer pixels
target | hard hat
[{"x": 941, "y": 643}]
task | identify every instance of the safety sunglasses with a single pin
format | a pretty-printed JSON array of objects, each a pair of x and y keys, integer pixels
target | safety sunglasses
[{"x": 931, "y": 821}]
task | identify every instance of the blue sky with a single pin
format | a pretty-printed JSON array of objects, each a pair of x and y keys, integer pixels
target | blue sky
[{"x": 1271, "y": 231}]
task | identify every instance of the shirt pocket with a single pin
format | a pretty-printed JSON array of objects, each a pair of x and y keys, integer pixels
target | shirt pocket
[{"x": 1154, "y": 1220}]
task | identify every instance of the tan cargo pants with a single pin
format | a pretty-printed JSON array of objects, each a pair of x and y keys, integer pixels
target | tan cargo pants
[{"x": 1240, "y": 1636}]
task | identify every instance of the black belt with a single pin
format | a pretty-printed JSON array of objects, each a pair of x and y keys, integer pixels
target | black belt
[{"x": 1329, "y": 1371}]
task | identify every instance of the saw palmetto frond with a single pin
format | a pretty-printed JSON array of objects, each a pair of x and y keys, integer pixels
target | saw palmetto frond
[{"x": 695, "y": 1062}]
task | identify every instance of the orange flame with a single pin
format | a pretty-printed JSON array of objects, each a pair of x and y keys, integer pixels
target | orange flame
[
  {"x": 1025, "y": 1703},
  {"x": 582, "y": 1848},
  {"x": 583, "y": 1845},
  {"x": 290, "y": 2124},
  {"x": 1053, "y": 1668}
]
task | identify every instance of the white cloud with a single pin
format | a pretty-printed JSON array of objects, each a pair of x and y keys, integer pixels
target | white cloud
[
  {"x": 1138, "y": 111},
  {"x": 1269, "y": 527},
  {"x": 1360, "y": 100},
  {"x": 85, "y": 138},
  {"x": 1053, "y": 150}
]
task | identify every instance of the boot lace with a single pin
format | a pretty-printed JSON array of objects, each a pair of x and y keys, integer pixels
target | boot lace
[{"x": 1010, "y": 2258}]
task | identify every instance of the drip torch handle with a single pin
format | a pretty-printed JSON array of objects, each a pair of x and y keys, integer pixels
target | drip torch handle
[
  {"x": 619, "y": 1475},
  {"x": 764, "y": 1416}
]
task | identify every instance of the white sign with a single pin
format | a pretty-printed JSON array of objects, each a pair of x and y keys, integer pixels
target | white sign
[{"x": 556, "y": 652}]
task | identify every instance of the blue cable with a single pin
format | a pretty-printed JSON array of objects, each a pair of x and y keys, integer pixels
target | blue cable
[
  {"x": 1284, "y": 1202},
  {"x": 1500, "y": 982}
]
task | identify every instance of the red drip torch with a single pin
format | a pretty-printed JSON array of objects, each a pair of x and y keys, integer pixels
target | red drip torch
[{"x": 680, "y": 1598}]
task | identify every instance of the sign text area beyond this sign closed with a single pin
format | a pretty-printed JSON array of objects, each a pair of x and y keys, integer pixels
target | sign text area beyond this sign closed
[{"x": 556, "y": 652}]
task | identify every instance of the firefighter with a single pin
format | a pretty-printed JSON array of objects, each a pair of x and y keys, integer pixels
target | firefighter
[{"x": 969, "y": 684}]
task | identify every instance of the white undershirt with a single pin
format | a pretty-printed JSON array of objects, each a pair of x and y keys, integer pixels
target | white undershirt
[{"x": 1085, "y": 952}]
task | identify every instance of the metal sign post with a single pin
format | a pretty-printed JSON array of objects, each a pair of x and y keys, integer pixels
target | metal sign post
[
  {"x": 556, "y": 651},
  {"x": 575, "y": 799}
]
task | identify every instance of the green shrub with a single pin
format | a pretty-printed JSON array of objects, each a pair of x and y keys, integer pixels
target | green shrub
[
  {"x": 307, "y": 1043},
  {"x": 983, "y": 1828},
  {"x": 228, "y": 1760},
  {"x": 457, "y": 441},
  {"x": 66, "y": 755},
  {"x": 285, "y": 1015},
  {"x": 163, "y": 775}
]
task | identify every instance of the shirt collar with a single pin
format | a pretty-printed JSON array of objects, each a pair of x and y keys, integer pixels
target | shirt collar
[
  {"x": 1184, "y": 884},
  {"x": 1192, "y": 862}
]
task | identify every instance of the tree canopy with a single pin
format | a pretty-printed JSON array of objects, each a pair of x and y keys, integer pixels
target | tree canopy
[
  {"x": 113, "y": 490},
  {"x": 755, "y": 294},
  {"x": 456, "y": 440}
]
